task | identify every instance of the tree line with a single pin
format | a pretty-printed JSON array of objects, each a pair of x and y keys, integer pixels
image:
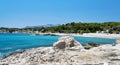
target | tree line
[{"x": 73, "y": 27}]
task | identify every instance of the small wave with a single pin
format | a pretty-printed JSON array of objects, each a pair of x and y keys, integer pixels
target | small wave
[
  {"x": 8, "y": 48},
  {"x": 18, "y": 50},
  {"x": 1, "y": 55}
]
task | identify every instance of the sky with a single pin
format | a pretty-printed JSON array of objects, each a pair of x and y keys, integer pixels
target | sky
[{"x": 21, "y": 13}]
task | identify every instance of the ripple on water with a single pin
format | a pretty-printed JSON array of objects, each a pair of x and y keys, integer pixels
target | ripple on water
[{"x": 8, "y": 48}]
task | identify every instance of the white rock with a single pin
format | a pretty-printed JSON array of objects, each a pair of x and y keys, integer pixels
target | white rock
[
  {"x": 66, "y": 42},
  {"x": 117, "y": 41}
]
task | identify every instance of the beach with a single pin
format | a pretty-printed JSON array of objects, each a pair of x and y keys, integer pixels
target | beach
[
  {"x": 59, "y": 32},
  {"x": 100, "y": 35}
]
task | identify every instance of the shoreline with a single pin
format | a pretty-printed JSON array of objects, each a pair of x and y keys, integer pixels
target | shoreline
[
  {"x": 102, "y": 35},
  {"x": 98, "y": 35},
  {"x": 68, "y": 55},
  {"x": 60, "y": 34}
]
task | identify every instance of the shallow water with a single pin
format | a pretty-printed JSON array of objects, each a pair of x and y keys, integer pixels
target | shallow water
[{"x": 12, "y": 42}]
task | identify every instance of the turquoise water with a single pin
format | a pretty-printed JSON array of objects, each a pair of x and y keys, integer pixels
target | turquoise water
[{"x": 12, "y": 42}]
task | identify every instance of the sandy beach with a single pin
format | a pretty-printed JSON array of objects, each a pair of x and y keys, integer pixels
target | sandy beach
[{"x": 100, "y": 35}]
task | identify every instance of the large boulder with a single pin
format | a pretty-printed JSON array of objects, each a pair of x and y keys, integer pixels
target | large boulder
[{"x": 66, "y": 42}]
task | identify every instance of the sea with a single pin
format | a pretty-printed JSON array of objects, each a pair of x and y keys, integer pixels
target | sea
[{"x": 14, "y": 42}]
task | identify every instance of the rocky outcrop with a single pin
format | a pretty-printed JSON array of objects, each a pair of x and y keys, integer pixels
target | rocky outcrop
[
  {"x": 66, "y": 43},
  {"x": 101, "y": 55}
]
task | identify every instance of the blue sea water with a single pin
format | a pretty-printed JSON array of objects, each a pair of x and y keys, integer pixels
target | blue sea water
[{"x": 12, "y": 42}]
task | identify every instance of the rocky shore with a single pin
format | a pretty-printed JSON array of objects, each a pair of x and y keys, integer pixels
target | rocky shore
[{"x": 66, "y": 51}]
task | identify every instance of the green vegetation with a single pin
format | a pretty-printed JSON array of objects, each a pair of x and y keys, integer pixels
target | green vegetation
[
  {"x": 88, "y": 47},
  {"x": 73, "y": 27}
]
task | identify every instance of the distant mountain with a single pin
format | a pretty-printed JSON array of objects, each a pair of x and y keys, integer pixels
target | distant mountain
[{"x": 39, "y": 26}]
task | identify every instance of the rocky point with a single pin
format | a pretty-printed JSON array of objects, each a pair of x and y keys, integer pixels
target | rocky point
[{"x": 66, "y": 51}]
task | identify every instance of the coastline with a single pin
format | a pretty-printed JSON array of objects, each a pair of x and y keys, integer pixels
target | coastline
[
  {"x": 102, "y": 35},
  {"x": 57, "y": 55},
  {"x": 98, "y": 35},
  {"x": 19, "y": 36}
]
